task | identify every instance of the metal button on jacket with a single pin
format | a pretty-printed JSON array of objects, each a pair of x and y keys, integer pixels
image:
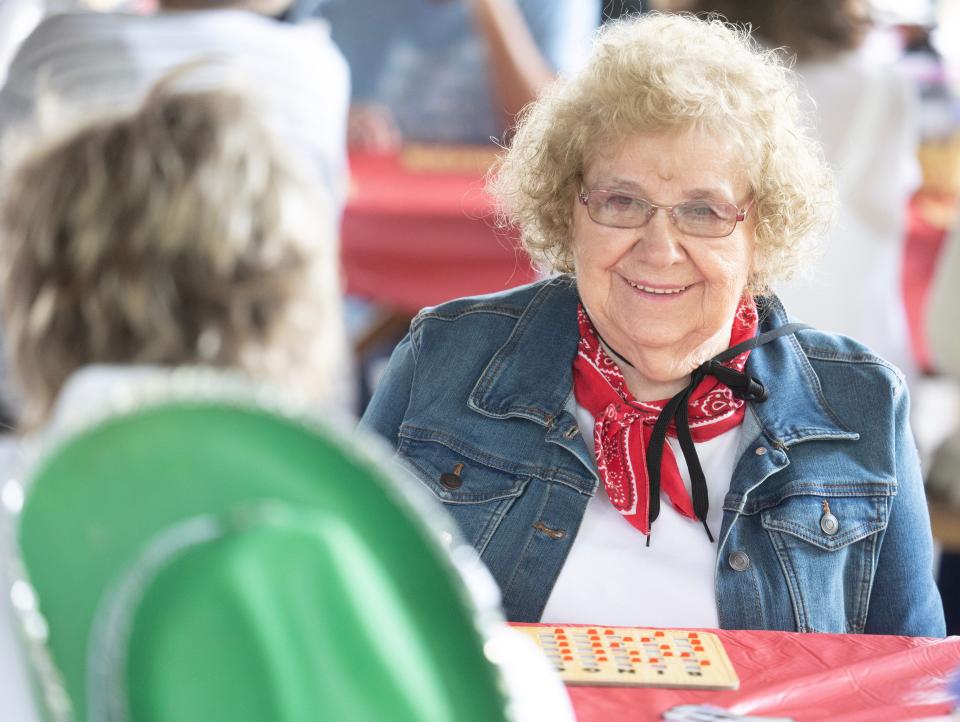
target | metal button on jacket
[
  {"x": 829, "y": 524},
  {"x": 738, "y": 561},
  {"x": 552, "y": 533},
  {"x": 452, "y": 480}
]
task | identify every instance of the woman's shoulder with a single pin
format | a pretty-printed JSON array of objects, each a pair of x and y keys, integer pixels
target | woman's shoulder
[
  {"x": 511, "y": 303},
  {"x": 834, "y": 353},
  {"x": 834, "y": 348},
  {"x": 515, "y": 325}
]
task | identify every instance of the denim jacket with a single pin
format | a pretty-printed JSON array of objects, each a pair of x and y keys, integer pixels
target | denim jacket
[{"x": 478, "y": 401}]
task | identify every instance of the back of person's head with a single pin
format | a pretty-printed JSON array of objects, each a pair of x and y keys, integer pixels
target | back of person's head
[
  {"x": 811, "y": 29},
  {"x": 177, "y": 234}
]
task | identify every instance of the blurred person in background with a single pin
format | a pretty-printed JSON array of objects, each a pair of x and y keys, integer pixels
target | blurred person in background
[
  {"x": 81, "y": 63},
  {"x": 924, "y": 65},
  {"x": 866, "y": 117},
  {"x": 455, "y": 71},
  {"x": 181, "y": 234},
  {"x": 85, "y": 62},
  {"x": 655, "y": 388}
]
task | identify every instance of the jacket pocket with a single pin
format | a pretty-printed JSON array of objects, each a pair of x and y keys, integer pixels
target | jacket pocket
[
  {"x": 827, "y": 548},
  {"x": 474, "y": 493}
]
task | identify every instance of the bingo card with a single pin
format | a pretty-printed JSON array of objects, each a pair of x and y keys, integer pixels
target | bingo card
[{"x": 635, "y": 656}]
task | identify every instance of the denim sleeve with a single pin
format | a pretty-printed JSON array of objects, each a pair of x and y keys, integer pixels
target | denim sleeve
[
  {"x": 905, "y": 599},
  {"x": 387, "y": 408},
  {"x": 562, "y": 29}
]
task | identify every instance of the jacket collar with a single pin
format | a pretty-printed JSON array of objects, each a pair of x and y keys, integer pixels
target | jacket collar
[
  {"x": 531, "y": 374},
  {"x": 796, "y": 409}
]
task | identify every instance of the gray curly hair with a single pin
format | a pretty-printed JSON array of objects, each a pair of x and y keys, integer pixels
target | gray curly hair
[
  {"x": 662, "y": 72},
  {"x": 178, "y": 233}
]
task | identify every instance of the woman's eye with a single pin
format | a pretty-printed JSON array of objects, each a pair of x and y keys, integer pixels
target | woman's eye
[
  {"x": 619, "y": 203},
  {"x": 700, "y": 211}
]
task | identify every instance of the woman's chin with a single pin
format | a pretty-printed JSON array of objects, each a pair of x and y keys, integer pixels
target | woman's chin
[
  {"x": 655, "y": 343},
  {"x": 668, "y": 355}
]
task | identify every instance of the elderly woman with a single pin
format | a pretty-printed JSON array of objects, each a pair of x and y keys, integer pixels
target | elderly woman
[
  {"x": 175, "y": 235},
  {"x": 668, "y": 184}
]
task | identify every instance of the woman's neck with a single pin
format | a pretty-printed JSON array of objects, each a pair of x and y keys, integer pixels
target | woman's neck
[
  {"x": 644, "y": 388},
  {"x": 659, "y": 373}
]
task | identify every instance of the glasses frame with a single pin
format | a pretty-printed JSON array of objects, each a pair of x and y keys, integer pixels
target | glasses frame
[{"x": 584, "y": 198}]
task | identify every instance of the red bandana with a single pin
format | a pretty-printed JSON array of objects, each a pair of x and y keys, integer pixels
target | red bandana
[{"x": 624, "y": 426}]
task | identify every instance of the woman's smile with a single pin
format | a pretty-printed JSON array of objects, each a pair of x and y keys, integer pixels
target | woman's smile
[{"x": 657, "y": 291}]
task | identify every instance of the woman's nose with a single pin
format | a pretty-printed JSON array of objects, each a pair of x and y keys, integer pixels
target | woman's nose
[{"x": 658, "y": 242}]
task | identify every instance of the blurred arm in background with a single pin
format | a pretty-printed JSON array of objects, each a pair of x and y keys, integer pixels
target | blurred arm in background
[{"x": 446, "y": 56}]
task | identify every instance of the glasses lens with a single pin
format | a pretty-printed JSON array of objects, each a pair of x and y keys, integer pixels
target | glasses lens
[
  {"x": 702, "y": 218},
  {"x": 610, "y": 208}
]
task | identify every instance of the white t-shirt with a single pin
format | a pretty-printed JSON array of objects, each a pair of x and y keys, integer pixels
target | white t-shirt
[
  {"x": 91, "y": 62},
  {"x": 612, "y": 578},
  {"x": 865, "y": 115}
]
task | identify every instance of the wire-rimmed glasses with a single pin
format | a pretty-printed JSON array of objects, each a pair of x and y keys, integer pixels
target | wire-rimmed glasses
[{"x": 703, "y": 218}]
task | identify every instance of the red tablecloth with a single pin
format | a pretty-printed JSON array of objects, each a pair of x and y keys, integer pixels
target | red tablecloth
[
  {"x": 809, "y": 677},
  {"x": 413, "y": 239}
]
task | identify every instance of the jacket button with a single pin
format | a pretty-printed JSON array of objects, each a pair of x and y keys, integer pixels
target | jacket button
[
  {"x": 452, "y": 480},
  {"x": 571, "y": 432},
  {"x": 738, "y": 561},
  {"x": 552, "y": 533},
  {"x": 829, "y": 524},
  {"x": 760, "y": 451}
]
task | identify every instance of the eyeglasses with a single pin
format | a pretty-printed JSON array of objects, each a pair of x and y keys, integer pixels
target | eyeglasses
[{"x": 703, "y": 218}]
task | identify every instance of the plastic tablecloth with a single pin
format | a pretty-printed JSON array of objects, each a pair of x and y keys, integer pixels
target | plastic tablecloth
[
  {"x": 807, "y": 677},
  {"x": 412, "y": 239}
]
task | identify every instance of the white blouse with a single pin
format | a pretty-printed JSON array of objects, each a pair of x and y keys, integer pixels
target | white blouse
[{"x": 612, "y": 578}]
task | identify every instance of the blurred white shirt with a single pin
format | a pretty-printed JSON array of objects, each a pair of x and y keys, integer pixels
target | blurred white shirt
[
  {"x": 76, "y": 64},
  {"x": 17, "y": 19},
  {"x": 866, "y": 115}
]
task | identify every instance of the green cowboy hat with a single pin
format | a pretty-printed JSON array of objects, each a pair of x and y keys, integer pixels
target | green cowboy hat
[{"x": 202, "y": 551}]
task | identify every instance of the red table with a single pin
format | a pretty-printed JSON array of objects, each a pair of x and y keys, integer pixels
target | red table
[
  {"x": 413, "y": 238},
  {"x": 808, "y": 677}
]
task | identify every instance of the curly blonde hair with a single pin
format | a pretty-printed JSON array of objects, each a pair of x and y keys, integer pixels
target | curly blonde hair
[
  {"x": 175, "y": 234},
  {"x": 669, "y": 73}
]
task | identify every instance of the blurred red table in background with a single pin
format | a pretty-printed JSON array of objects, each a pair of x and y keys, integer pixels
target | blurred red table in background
[
  {"x": 806, "y": 677},
  {"x": 419, "y": 229}
]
